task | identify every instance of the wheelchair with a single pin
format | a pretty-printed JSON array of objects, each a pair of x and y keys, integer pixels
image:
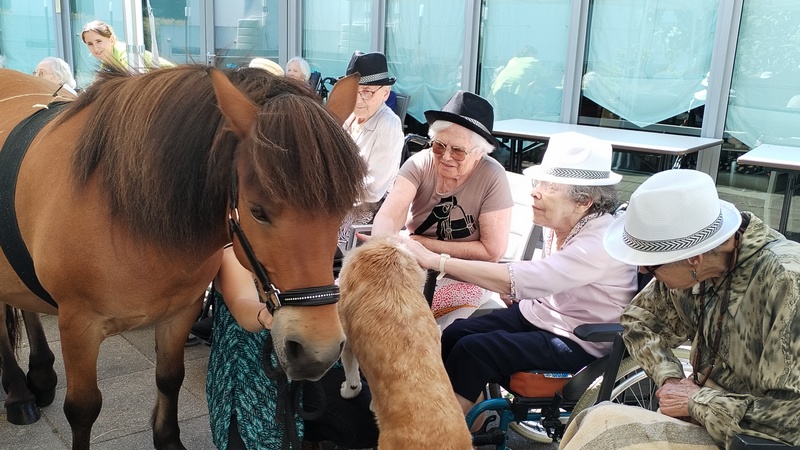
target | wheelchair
[{"x": 540, "y": 404}]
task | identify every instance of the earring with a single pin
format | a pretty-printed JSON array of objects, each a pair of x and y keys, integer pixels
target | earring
[{"x": 694, "y": 273}]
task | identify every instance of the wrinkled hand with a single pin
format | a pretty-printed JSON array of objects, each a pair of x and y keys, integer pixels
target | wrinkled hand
[
  {"x": 508, "y": 299},
  {"x": 673, "y": 397},
  {"x": 425, "y": 258}
]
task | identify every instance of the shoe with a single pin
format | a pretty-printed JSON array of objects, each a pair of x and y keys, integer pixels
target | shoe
[{"x": 203, "y": 330}]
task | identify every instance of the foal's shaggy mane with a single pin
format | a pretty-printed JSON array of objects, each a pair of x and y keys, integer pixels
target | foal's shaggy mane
[{"x": 159, "y": 144}]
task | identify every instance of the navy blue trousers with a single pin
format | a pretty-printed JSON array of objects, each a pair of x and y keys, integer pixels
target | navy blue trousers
[{"x": 490, "y": 348}]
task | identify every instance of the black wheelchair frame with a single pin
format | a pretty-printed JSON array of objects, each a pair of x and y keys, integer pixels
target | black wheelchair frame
[{"x": 585, "y": 388}]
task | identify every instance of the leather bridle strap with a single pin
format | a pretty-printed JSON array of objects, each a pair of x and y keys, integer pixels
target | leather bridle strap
[{"x": 272, "y": 297}]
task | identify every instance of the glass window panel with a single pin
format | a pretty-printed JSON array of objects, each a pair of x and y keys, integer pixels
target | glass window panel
[
  {"x": 244, "y": 30},
  {"x": 522, "y": 60},
  {"x": 763, "y": 108},
  {"x": 26, "y": 33},
  {"x": 177, "y": 30},
  {"x": 647, "y": 63},
  {"x": 424, "y": 48},
  {"x": 332, "y": 31},
  {"x": 83, "y": 12},
  {"x": 764, "y": 102}
]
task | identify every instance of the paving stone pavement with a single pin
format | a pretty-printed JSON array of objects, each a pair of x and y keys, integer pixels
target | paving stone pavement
[{"x": 126, "y": 377}]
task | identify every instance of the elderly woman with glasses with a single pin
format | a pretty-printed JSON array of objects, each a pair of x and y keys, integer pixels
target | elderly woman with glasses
[
  {"x": 728, "y": 283},
  {"x": 58, "y": 71},
  {"x": 574, "y": 282},
  {"x": 454, "y": 199}
]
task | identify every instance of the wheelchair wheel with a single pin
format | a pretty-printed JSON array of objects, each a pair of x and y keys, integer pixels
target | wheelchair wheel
[{"x": 632, "y": 386}]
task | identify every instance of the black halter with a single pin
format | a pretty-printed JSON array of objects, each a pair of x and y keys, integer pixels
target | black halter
[{"x": 272, "y": 297}]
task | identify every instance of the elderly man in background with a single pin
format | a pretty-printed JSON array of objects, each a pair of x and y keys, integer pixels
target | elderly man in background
[{"x": 377, "y": 131}]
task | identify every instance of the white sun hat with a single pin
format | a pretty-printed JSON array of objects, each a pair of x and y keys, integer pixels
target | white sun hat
[
  {"x": 576, "y": 159},
  {"x": 673, "y": 215}
]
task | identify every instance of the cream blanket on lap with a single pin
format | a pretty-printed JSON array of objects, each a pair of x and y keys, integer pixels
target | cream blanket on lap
[{"x": 613, "y": 426}]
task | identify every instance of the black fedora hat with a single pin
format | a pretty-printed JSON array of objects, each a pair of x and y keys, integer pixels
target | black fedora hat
[
  {"x": 469, "y": 110},
  {"x": 372, "y": 68}
]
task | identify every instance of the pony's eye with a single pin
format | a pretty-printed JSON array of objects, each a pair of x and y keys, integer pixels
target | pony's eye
[{"x": 259, "y": 214}]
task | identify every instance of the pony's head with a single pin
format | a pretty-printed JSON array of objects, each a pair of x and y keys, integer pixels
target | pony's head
[
  {"x": 298, "y": 174},
  {"x": 168, "y": 147}
]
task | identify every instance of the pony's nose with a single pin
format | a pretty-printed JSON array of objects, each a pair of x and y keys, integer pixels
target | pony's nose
[{"x": 307, "y": 363}]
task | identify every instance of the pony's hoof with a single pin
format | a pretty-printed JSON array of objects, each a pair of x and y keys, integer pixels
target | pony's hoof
[
  {"x": 348, "y": 391},
  {"x": 23, "y": 413}
]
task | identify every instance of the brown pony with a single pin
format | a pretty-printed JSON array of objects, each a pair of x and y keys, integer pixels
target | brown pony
[{"x": 126, "y": 199}]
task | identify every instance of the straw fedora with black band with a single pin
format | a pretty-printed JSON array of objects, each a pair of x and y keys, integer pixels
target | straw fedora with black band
[
  {"x": 575, "y": 159},
  {"x": 469, "y": 110},
  {"x": 371, "y": 67},
  {"x": 672, "y": 216}
]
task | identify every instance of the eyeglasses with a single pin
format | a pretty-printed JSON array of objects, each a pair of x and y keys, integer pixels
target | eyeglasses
[
  {"x": 652, "y": 269},
  {"x": 545, "y": 186},
  {"x": 366, "y": 94},
  {"x": 38, "y": 73},
  {"x": 457, "y": 153}
]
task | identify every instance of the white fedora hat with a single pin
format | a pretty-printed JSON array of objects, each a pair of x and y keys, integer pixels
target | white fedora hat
[
  {"x": 673, "y": 215},
  {"x": 576, "y": 159}
]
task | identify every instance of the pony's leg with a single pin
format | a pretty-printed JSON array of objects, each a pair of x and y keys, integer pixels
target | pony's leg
[
  {"x": 42, "y": 378},
  {"x": 351, "y": 386},
  {"x": 170, "y": 370},
  {"x": 80, "y": 346},
  {"x": 20, "y": 403}
]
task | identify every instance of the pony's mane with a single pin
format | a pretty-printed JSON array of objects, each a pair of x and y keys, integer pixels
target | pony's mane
[{"x": 159, "y": 145}]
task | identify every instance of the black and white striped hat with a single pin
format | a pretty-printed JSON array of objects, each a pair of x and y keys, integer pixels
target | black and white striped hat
[
  {"x": 673, "y": 215},
  {"x": 372, "y": 67},
  {"x": 575, "y": 159}
]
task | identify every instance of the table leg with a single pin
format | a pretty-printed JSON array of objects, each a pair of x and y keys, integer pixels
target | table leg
[
  {"x": 791, "y": 180},
  {"x": 516, "y": 156}
]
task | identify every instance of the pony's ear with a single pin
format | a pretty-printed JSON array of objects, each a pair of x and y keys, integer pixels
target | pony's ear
[
  {"x": 239, "y": 111},
  {"x": 342, "y": 99}
]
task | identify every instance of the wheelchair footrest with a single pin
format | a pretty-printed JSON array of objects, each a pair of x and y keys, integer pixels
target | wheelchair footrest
[{"x": 489, "y": 436}]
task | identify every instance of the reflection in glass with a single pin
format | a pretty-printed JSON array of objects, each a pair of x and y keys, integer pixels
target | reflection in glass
[
  {"x": 244, "y": 30},
  {"x": 764, "y": 105},
  {"x": 522, "y": 60},
  {"x": 332, "y": 31},
  {"x": 647, "y": 63},
  {"x": 424, "y": 48},
  {"x": 178, "y": 33},
  {"x": 21, "y": 49}
]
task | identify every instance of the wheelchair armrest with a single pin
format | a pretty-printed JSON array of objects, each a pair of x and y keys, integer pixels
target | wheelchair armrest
[
  {"x": 743, "y": 442},
  {"x": 416, "y": 139},
  {"x": 598, "y": 332}
]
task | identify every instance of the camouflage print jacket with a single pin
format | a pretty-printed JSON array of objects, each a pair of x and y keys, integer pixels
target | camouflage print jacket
[{"x": 757, "y": 370}]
